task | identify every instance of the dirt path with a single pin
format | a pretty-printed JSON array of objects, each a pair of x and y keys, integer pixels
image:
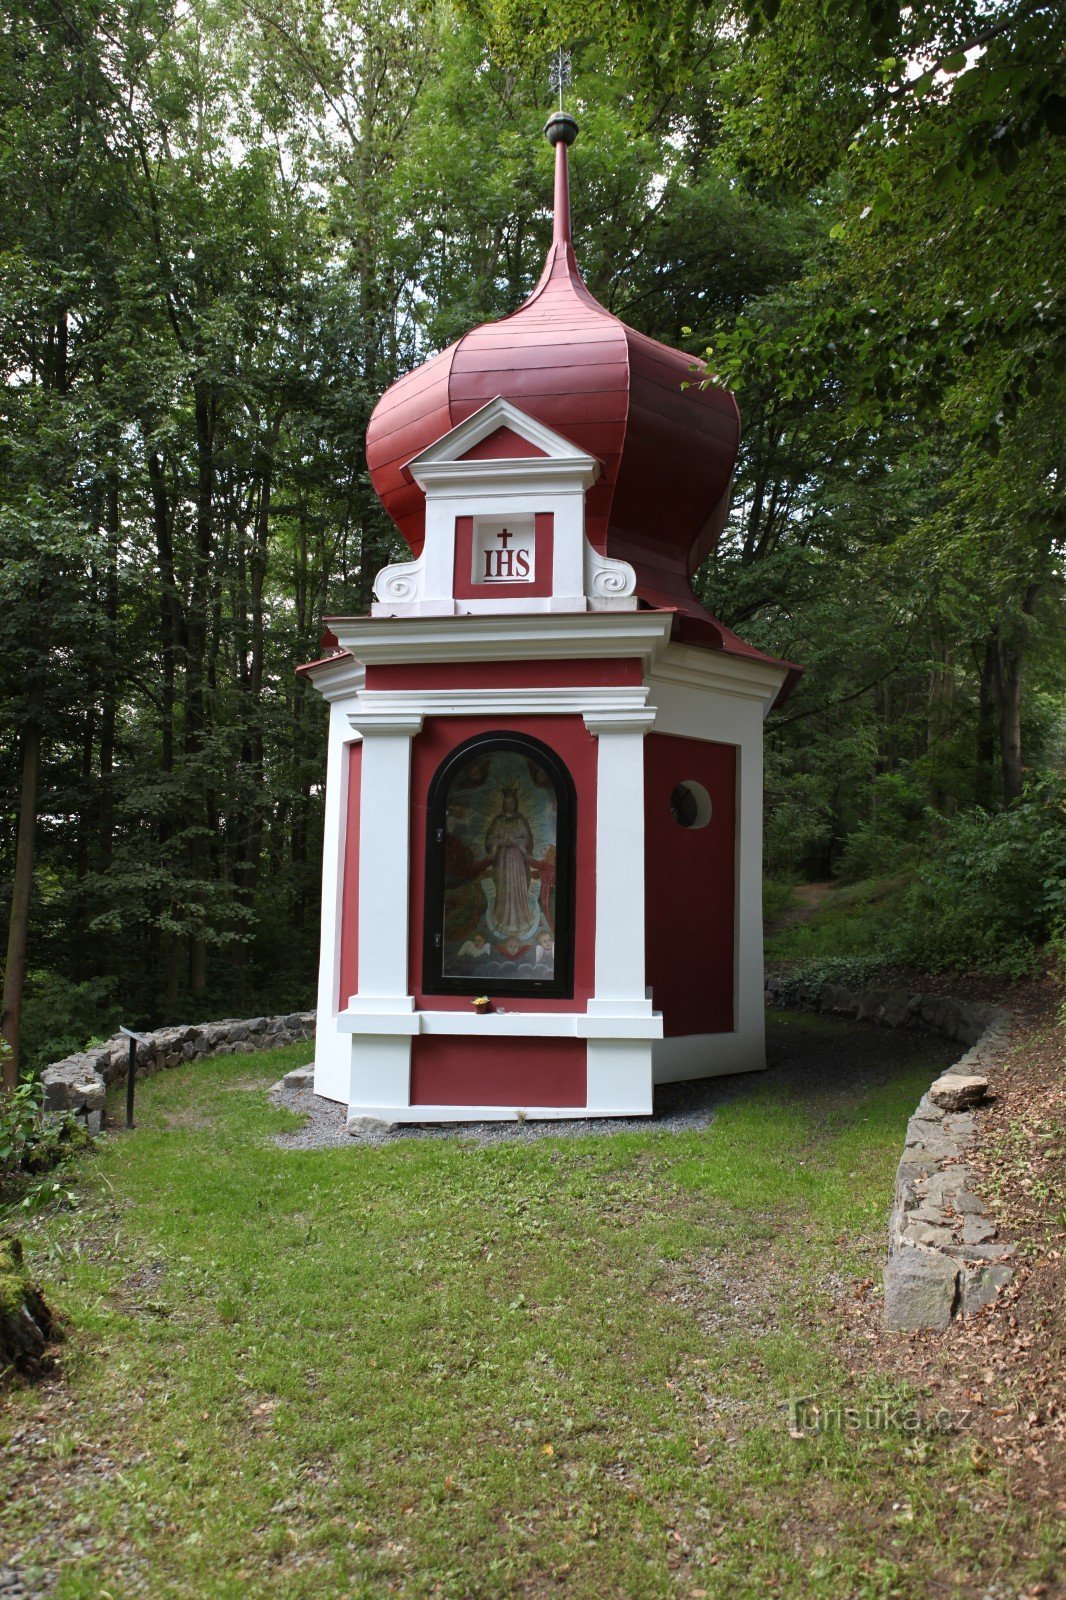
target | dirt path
[{"x": 809, "y": 898}]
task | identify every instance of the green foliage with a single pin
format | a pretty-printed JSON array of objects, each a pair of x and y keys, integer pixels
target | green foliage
[
  {"x": 815, "y": 972},
  {"x": 31, "y": 1148},
  {"x": 777, "y": 896},
  {"x": 992, "y": 892},
  {"x": 886, "y": 840},
  {"x": 20, "y": 1122},
  {"x": 226, "y": 230},
  {"x": 854, "y": 922},
  {"x": 60, "y": 1016},
  {"x": 987, "y": 896}
]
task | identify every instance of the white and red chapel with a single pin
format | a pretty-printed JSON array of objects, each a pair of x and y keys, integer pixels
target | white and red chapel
[{"x": 542, "y": 870}]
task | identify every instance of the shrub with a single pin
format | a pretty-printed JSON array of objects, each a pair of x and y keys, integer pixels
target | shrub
[
  {"x": 885, "y": 843},
  {"x": 992, "y": 892},
  {"x": 20, "y": 1122},
  {"x": 31, "y": 1147},
  {"x": 850, "y": 972}
]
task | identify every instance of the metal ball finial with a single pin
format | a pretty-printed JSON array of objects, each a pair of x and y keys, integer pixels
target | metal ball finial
[{"x": 561, "y": 127}]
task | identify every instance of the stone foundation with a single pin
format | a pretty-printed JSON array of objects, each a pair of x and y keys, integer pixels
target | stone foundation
[{"x": 78, "y": 1083}]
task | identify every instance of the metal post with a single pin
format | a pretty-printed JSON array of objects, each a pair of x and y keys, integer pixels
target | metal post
[
  {"x": 131, "y": 1078},
  {"x": 131, "y": 1069}
]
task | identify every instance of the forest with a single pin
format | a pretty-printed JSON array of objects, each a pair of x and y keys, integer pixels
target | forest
[{"x": 228, "y": 225}]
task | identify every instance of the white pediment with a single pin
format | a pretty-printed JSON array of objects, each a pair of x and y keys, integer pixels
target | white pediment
[{"x": 453, "y": 446}]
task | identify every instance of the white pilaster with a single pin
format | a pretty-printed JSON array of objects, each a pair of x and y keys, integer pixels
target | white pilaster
[
  {"x": 339, "y": 683},
  {"x": 619, "y": 1078},
  {"x": 332, "y": 1051},
  {"x": 381, "y": 1062},
  {"x": 620, "y": 975},
  {"x": 384, "y": 854}
]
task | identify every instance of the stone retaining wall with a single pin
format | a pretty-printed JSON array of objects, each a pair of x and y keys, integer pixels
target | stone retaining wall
[
  {"x": 79, "y": 1082},
  {"x": 943, "y": 1255},
  {"x": 968, "y": 1022}
]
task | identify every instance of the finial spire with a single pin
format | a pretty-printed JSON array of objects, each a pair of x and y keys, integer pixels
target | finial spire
[{"x": 561, "y": 130}]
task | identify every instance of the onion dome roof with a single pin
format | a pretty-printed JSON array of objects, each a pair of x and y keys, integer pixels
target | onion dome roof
[{"x": 666, "y": 438}]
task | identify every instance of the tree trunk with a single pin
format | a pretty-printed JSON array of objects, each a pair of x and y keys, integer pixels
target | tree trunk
[
  {"x": 939, "y": 707},
  {"x": 18, "y": 927},
  {"x": 109, "y": 697},
  {"x": 1009, "y": 678},
  {"x": 986, "y": 724},
  {"x": 170, "y": 618},
  {"x": 1010, "y": 655}
]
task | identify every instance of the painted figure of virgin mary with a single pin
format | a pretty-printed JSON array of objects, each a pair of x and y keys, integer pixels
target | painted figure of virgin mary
[
  {"x": 497, "y": 830},
  {"x": 509, "y": 847}
]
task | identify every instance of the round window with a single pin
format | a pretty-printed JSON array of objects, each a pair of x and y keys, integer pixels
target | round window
[{"x": 690, "y": 805}]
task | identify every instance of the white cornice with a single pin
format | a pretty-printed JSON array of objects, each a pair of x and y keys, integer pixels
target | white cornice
[
  {"x": 376, "y": 722},
  {"x": 507, "y": 475},
  {"x": 524, "y": 637},
  {"x": 368, "y": 1018},
  {"x": 693, "y": 668},
  {"x": 603, "y": 702},
  {"x": 338, "y": 678},
  {"x": 619, "y": 719}
]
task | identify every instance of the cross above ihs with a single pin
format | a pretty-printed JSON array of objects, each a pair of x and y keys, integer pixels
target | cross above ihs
[{"x": 506, "y": 563}]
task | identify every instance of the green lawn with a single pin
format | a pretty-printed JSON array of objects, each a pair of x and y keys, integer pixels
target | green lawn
[{"x": 555, "y": 1367}]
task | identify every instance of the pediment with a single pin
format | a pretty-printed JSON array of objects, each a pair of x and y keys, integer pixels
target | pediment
[
  {"x": 502, "y": 444},
  {"x": 499, "y": 431}
]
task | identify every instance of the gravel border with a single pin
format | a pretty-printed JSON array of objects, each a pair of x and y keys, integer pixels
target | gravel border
[
  {"x": 679, "y": 1108},
  {"x": 810, "y": 1065}
]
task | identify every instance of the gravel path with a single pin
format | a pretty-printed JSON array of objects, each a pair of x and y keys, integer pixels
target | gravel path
[{"x": 823, "y": 1061}]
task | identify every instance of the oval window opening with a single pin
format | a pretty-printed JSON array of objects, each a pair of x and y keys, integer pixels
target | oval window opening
[{"x": 690, "y": 805}]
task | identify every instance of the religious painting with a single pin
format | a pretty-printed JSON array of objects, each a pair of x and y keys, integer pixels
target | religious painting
[{"x": 499, "y": 871}]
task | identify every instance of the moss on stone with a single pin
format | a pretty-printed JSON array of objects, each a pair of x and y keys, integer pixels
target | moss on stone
[{"x": 27, "y": 1326}]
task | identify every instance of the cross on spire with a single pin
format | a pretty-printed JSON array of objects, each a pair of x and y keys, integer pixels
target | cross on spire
[{"x": 559, "y": 72}]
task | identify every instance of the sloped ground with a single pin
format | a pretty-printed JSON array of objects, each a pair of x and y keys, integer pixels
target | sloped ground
[
  {"x": 1005, "y": 1369},
  {"x": 586, "y": 1367}
]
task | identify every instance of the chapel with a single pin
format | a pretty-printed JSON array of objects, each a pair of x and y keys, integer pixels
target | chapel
[{"x": 542, "y": 867}]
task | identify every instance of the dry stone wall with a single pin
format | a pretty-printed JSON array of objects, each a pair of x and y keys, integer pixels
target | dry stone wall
[
  {"x": 944, "y": 1258},
  {"x": 965, "y": 1021},
  {"x": 78, "y": 1083}
]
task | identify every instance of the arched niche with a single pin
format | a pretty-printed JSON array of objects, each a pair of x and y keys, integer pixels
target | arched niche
[{"x": 500, "y": 871}]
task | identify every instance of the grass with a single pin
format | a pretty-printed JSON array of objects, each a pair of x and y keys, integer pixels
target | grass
[
  {"x": 430, "y": 1368},
  {"x": 778, "y": 895},
  {"x": 851, "y": 921}
]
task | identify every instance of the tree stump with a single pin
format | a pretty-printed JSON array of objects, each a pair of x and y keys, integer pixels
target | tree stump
[{"x": 27, "y": 1326}]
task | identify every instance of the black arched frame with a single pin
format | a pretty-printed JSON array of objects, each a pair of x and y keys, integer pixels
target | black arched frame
[{"x": 500, "y": 834}]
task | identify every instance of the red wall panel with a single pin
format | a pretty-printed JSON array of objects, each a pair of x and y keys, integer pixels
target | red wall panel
[
  {"x": 587, "y": 674},
  {"x": 446, "y": 1070},
  {"x": 691, "y": 886},
  {"x": 463, "y": 586}
]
